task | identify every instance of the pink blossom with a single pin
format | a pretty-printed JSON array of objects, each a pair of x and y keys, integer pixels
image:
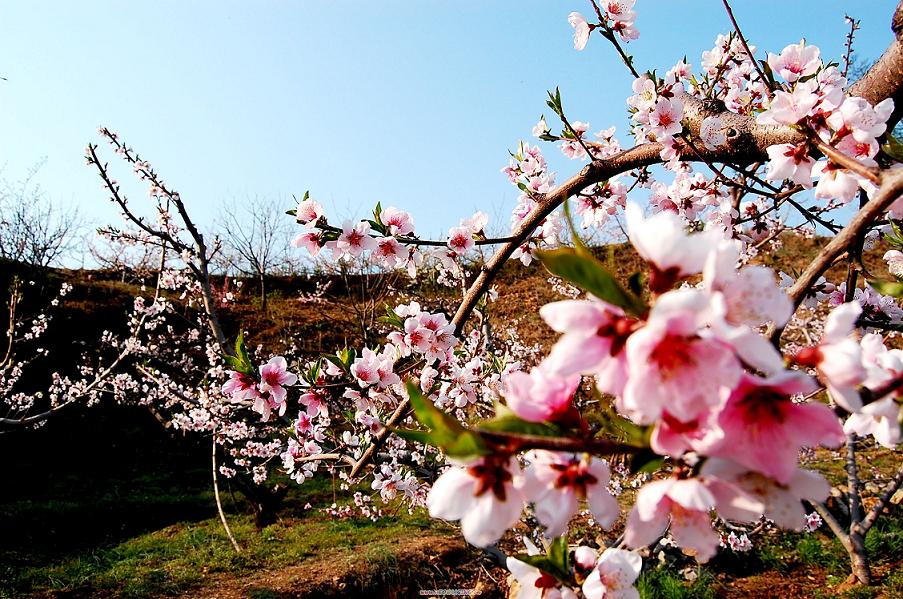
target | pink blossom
[
  {"x": 536, "y": 584},
  {"x": 315, "y": 401},
  {"x": 838, "y": 357},
  {"x": 619, "y": 10},
  {"x": 555, "y": 482},
  {"x": 789, "y": 108},
  {"x": 752, "y": 293},
  {"x": 274, "y": 377},
  {"x": 795, "y": 61},
  {"x": 398, "y": 222},
  {"x": 672, "y": 367},
  {"x": 625, "y": 29},
  {"x": 712, "y": 132},
  {"x": 476, "y": 223},
  {"x": 366, "y": 368},
  {"x": 308, "y": 241},
  {"x": 389, "y": 252},
  {"x": 582, "y": 30},
  {"x": 594, "y": 335},
  {"x": 485, "y": 496},
  {"x": 308, "y": 212},
  {"x": 789, "y": 161},
  {"x": 881, "y": 419},
  {"x": 764, "y": 429},
  {"x": 354, "y": 240},
  {"x": 460, "y": 240},
  {"x": 613, "y": 575},
  {"x": 240, "y": 387},
  {"x": 672, "y": 437},
  {"x": 303, "y": 424},
  {"x": 781, "y": 502},
  {"x": 540, "y": 128},
  {"x": 539, "y": 396},
  {"x": 663, "y": 242},
  {"x": 864, "y": 121},
  {"x": 685, "y": 504},
  {"x": 742, "y": 301},
  {"x": 664, "y": 120},
  {"x": 374, "y": 369},
  {"x": 894, "y": 259},
  {"x": 644, "y": 96},
  {"x": 834, "y": 182},
  {"x": 864, "y": 151}
]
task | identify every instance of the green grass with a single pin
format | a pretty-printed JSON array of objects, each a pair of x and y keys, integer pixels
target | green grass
[
  {"x": 665, "y": 583},
  {"x": 182, "y": 556}
]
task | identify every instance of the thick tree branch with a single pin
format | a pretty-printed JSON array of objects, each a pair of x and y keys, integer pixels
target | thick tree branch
[
  {"x": 885, "y": 78},
  {"x": 747, "y": 142},
  {"x": 876, "y": 510},
  {"x": 889, "y": 191}
]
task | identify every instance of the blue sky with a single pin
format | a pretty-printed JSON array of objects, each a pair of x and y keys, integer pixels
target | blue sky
[{"x": 413, "y": 104}]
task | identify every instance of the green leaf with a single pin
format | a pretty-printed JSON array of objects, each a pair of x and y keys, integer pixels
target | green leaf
[
  {"x": 891, "y": 288},
  {"x": 235, "y": 364},
  {"x": 893, "y": 148},
  {"x": 554, "y": 101},
  {"x": 379, "y": 228},
  {"x": 444, "y": 430},
  {"x": 506, "y": 421},
  {"x": 240, "y": 362},
  {"x": 391, "y": 318},
  {"x": 556, "y": 562},
  {"x": 337, "y": 361},
  {"x": 575, "y": 235},
  {"x": 615, "y": 426},
  {"x": 347, "y": 355},
  {"x": 646, "y": 461},
  {"x": 895, "y": 237},
  {"x": 635, "y": 284},
  {"x": 313, "y": 373},
  {"x": 766, "y": 68},
  {"x": 558, "y": 554},
  {"x": 587, "y": 273},
  {"x": 377, "y": 213},
  {"x": 423, "y": 437}
]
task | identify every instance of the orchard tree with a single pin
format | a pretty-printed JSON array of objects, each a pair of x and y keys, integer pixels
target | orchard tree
[
  {"x": 33, "y": 230},
  {"x": 255, "y": 237}
]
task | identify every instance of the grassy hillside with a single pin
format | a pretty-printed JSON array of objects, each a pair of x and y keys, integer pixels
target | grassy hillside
[{"x": 104, "y": 502}]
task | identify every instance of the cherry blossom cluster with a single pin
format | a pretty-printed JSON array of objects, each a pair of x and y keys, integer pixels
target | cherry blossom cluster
[
  {"x": 813, "y": 98},
  {"x": 388, "y": 240},
  {"x": 715, "y": 395},
  {"x": 528, "y": 171},
  {"x": 729, "y": 75},
  {"x": 615, "y": 16}
]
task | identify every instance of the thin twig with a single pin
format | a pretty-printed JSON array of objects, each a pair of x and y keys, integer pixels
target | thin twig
[{"x": 219, "y": 504}]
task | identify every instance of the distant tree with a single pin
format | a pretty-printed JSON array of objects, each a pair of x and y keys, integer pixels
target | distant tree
[
  {"x": 33, "y": 229},
  {"x": 255, "y": 236}
]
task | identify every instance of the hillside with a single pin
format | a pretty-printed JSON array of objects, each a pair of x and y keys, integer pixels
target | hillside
[{"x": 104, "y": 502}]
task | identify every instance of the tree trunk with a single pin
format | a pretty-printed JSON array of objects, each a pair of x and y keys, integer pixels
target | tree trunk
[
  {"x": 263, "y": 292},
  {"x": 858, "y": 557}
]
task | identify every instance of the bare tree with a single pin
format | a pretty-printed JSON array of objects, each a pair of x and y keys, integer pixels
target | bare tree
[
  {"x": 255, "y": 235},
  {"x": 33, "y": 229},
  {"x": 135, "y": 262}
]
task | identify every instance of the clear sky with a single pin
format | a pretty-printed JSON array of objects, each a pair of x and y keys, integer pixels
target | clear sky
[{"x": 414, "y": 104}]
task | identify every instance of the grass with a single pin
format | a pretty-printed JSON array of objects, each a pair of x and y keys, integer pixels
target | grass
[
  {"x": 666, "y": 583},
  {"x": 186, "y": 555}
]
